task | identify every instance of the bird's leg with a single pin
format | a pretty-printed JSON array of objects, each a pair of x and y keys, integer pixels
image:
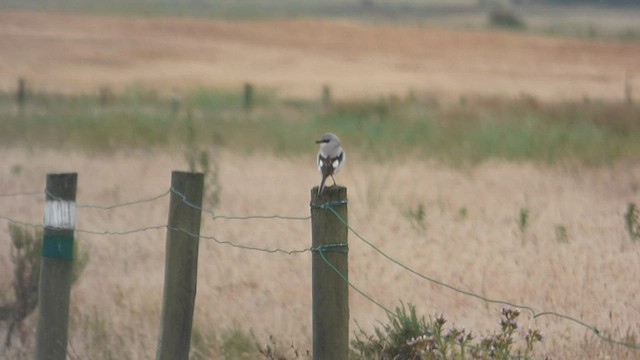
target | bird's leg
[{"x": 334, "y": 180}]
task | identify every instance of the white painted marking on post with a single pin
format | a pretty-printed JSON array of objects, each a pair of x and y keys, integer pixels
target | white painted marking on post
[{"x": 60, "y": 214}]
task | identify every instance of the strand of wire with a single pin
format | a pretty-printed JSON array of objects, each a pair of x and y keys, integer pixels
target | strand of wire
[
  {"x": 184, "y": 200},
  {"x": 241, "y": 246},
  {"x": 211, "y": 212},
  {"x": 131, "y": 203},
  {"x": 157, "y": 197},
  {"x": 111, "y": 207},
  {"x": 90, "y": 206},
  {"x": 17, "y": 194},
  {"x": 534, "y": 313},
  {"x": 19, "y": 222},
  {"x": 435, "y": 281},
  {"x": 345, "y": 279},
  {"x": 84, "y": 231},
  {"x": 158, "y": 227},
  {"x": 377, "y": 303},
  {"x": 122, "y": 232}
]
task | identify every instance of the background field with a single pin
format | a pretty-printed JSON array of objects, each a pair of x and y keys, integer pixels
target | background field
[
  {"x": 469, "y": 238},
  {"x": 72, "y": 53},
  {"x": 483, "y": 125}
]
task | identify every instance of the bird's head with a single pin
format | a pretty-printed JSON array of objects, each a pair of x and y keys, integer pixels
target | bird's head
[{"x": 326, "y": 138}]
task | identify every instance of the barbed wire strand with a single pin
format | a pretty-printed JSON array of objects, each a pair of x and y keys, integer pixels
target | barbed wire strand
[
  {"x": 534, "y": 313},
  {"x": 122, "y": 232},
  {"x": 111, "y": 207},
  {"x": 85, "y": 231},
  {"x": 240, "y": 246},
  {"x": 131, "y": 203},
  {"x": 230, "y": 217},
  {"x": 157, "y": 197}
]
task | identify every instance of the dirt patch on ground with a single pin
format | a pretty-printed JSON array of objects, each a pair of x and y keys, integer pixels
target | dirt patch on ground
[{"x": 80, "y": 53}]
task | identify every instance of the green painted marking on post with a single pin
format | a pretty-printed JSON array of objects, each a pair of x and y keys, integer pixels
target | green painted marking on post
[{"x": 57, "y": 247}]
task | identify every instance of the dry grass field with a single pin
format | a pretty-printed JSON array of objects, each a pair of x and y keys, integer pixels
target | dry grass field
[
  {"x": 469, "y": 236},
  {"x": 67, "y": 52}
]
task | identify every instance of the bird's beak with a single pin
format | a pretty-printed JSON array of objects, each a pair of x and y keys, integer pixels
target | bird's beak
[{"x": 318, "y": 141}]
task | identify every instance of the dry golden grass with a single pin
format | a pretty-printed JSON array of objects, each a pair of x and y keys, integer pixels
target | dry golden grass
[{"x": 116, "y": 303}]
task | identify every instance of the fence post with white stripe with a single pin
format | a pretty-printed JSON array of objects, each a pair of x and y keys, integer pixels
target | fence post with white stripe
[
  {"x": 181, "y": 265},
  {"x": 54, "y": 289},
  {"x": 329, "y": 268}
]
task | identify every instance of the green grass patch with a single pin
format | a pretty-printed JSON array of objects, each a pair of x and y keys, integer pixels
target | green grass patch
[{"x": 473, "y": 131}]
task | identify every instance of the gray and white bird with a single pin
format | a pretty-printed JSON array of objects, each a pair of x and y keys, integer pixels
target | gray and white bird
[{"x": 331, "y": 157}]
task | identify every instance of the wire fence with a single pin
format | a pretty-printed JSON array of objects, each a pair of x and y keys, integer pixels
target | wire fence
[{"x": 321, "y": 250}]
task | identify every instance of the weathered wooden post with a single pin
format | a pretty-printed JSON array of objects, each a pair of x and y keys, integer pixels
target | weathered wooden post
[
  {"x": 105, "y": 96},
  {"x": 628, "y": 88},
  {"x": 247, "y": 102},
  {"x": 175, "y": 102},
  {"x": 21, "y": 94},
  {"x": 326, "y": 96},
  {"x": 181, "y": 265},
  {"x": 55, "y": 271},
  {"x": 330, "y": 291}
]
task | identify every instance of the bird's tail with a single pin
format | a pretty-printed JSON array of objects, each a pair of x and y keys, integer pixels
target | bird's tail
[{"x": 321, "y": 187}]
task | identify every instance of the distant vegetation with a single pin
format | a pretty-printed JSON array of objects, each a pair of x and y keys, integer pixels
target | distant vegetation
[
  {"x": 505, "y": 19},
  {"x": 574, "y": 2},
  {"x": 583, "y": 18},
  {"x": 466, "y": 132}
]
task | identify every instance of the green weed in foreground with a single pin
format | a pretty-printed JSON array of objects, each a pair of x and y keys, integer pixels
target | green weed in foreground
[
  {"x": 593, "y": 133},
  {"x": 523, "y": 220},
  {"x": 561, "y": 234},
  {"x": 236, "y": 345},
  {"x": 416, "y": 217},
  {"x": 632, "y": 221},
  {"x": 407, "y": 336}
]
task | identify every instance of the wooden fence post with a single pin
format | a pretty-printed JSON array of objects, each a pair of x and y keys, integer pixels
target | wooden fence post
[
  {"x": 628, "y": 88},
  {"x": 181, "y": 265},
  {"x": 55, "y": 270},
  {"x": 330, "y": 292},
  {"x": 326, "y": 96},
  {"x": 21, "y": 94},
  {"x": 247, "y": 103},
  {"x": 105, "y": 96},
  {"x": 175, "y": 102}
]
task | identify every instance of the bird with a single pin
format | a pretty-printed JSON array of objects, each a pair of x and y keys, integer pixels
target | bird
[{"x": 331, "y": 157}]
